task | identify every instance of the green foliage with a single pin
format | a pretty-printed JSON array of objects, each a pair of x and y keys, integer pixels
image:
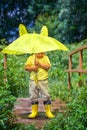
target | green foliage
[
  {"x": 75, "y": 118},
  {"x": 65, "y": 19},
  {"x": 17, "y": 78},
  {"x": 49, "y": 21},
  {"x": 15, "y": 86},
  {"x": 6, "y": 105},
  {"x": 12, "y": 74},
  {"x": 71, "y": 25},
  {"x": 12, "y": 14},
  {"x": 6, "y": 100},
  {"x": 3, "y": 41},
  {"x": 22, "y": 127},
  {"x": 42, "y": 7}
]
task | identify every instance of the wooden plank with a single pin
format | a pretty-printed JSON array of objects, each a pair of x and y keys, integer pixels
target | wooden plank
[
  {"x": 80, "y": 59},
  {"x": 23, "y": 108},
  {"x": 69, "y": 80},
  {"x": 77, "y": 50},
  {"x": 5, "y": 67},
  {"x": 70, "y": 62}
]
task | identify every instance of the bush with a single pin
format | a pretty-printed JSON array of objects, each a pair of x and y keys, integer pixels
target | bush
[
  {"x": 75, "y": 117},
  {"x": 17, "y": 78},
  {"x": 22, "y": 127},
  {"x": 6, "y": 105}
]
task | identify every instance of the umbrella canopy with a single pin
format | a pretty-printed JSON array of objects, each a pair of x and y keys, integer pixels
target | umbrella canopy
[
  {"x": 34, "y": 43},
  {"x": 22, "y": 30}
]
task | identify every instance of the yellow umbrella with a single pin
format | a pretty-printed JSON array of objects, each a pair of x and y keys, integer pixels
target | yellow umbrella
[
  {"x": 22, "y": 30},
  {"x": 34, "y": 43}
]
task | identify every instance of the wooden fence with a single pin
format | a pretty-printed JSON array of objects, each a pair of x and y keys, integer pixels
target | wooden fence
[{"x": 80, "y": 69}]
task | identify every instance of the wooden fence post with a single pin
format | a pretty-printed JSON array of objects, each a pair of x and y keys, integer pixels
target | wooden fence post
[
  {"x": 69, "y": 73},
  {"x": 5, "y": 67},
  {"x": 80, "y": 67}
]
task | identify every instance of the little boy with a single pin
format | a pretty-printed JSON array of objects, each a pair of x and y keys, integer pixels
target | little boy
[{"x": 38, "y": 65}]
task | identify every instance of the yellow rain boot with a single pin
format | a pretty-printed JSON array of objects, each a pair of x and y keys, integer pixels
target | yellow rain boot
[
  {"x": 34, "y": 110},
  {"x": 47, "y": 105}
]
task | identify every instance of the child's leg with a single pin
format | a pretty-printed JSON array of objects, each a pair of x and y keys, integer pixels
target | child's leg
[
  {"x": 44, "y": 90},
  {"x": 43, "y": 85},
  {"x": 34, "y": 98},
  {"x": 47, "y": 105},
  {"x": 33, "y": 91}
]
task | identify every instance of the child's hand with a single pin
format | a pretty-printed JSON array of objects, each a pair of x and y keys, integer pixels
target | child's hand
[
  {"x": 44, "y": 66},
  {"x": 35, "y": 68},
  {"x": 31, "y": 68},
  {"x": 37, "y": 63}
]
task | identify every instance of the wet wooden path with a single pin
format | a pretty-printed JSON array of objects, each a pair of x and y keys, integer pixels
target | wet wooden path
[{"x": 23, "y": 107}]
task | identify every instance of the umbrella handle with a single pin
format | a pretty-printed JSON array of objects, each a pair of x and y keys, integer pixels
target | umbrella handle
[
  {"x": 35, "y": 78},
  {"x": 35, "y": 59}
]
